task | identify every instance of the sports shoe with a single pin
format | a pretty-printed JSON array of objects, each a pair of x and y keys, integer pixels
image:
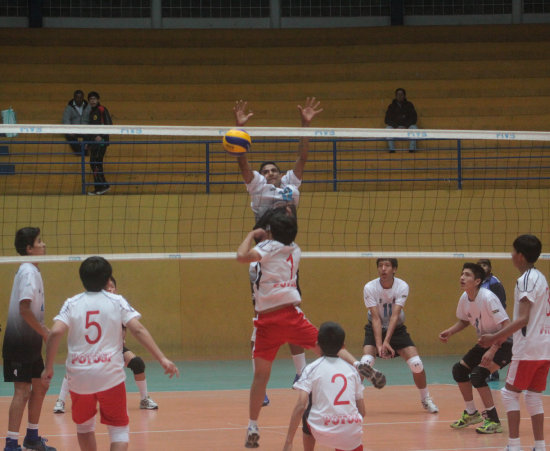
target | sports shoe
[
  {"x": 59, "y": 406},
  {"x": 489, "y": 427},
  {"x": 493, "y": 377},
  {"x": 429, "y": 405},
  {"x": 13, "y": 449},
  {"x": 103, "y": 191},
  {"x": 466, "y": 419},
  {"x": 148, "y": 403},
  {"x": 37, "y": 445},
  {"x": 266, "y": 401},
  {"x": 376, "y": 378},
  {"x": 252, "y": 437}
]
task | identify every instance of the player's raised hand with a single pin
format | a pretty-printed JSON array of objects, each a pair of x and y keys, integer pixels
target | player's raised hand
[
  {"x": 241, "y": 113},
  {"x": 309, "y": 110},
  {"x": 169, "y": 368}
]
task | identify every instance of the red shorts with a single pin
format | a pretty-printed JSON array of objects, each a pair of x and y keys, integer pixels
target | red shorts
[
  {"x": 286, "y": 325},
  {"x": 528, "y": 374},
  {"x": 112, "y": 406},
  {"x": 359, "y": 448}
]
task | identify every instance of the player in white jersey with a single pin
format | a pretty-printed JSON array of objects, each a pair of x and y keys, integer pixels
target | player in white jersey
[
  {"x": 331, "y": 391},
  {"x": 531, "y": 350},
  {"x": 22, "y": 347},
  {"x": 95, "y": 365},
  {"x": 279, "y": 319},
  {"x": 385, "y": 333},
  {"x": 483, "y": 310}
]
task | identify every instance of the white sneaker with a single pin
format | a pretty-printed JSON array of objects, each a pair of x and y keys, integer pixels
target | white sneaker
[
  {"x": 59, "y": 406},
  {"x": 429, "y": 405},
  {"x": 148, "y": 403},
  {"x": 252, "y": 437}
]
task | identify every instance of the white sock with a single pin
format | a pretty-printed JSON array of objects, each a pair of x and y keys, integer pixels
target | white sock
[
  {"x": 299, "y": 362},
  {"x": 64, "y": 390},
  {"x": 514, "y": 444},
  {"x": 424, "y": 393},
  {"x": 540, "y": 445},
  {"x": 13, "y": 435},
  {"x": 142, "y": 386},
  {"x": 252, "y": 423},
  {"x": 368, "y": 359},
  {"x": 32, "y": 426},
  {"x": 470, "y": 407}
]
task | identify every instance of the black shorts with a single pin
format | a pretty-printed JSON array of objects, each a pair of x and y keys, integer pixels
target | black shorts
[
  {"x": 399, "y": 340},
  {"x": 23, "y": 371},
  {"x": 124, "y": 349},
  {"x": 502, "y": 357}
]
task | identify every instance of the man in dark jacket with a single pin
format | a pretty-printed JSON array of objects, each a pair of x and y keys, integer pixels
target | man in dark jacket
[
  {"x": 99, "y": 115},
  {"x": 76, "y": 112},
  {"x": 401, "y": 114}
]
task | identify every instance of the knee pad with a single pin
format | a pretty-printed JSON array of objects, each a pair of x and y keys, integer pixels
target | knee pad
[
  {"x": 533, "y": 402},
  {"x": 415, "y": 364},
  {"x": 368, "y": 359},
  {"x": 119, "y": 433},
  {"x": 510, "y": 399},
  {"x": 137, "y": 365},
  {"x": 479, "y": 376},
  {"x": 87, "y": 426},
  {"x": 461, "y": 373}
]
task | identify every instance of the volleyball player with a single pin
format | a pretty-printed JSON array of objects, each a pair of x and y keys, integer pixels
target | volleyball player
[
  {"x": 482, "y": 309},
  {"x": 329, "y": 388},
  {"x": 279, "y": 319},
  {"x": 531, "y": 350},
  {"x": 22, "y": 348},
  {"x": 385, "y": 332},
  {"x": 95, "y": 365},
  {"x": 135, "y": 363}
]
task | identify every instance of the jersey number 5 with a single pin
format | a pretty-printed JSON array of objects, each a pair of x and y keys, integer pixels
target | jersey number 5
[
  {"x": 95, "y": 324},
  {"x": 337, "y": 401}
]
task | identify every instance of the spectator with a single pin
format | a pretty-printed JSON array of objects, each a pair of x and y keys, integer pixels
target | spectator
[
  {"x": 99, "y": 115},
  {"x": 401, "y": 114},
  {"x": 76, "y": 112}
]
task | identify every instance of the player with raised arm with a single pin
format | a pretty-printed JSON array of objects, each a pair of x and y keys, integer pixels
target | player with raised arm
[
  {"x": 531, "y": 350},
  {"x": 95, "y": 365},
  {"x": 385, "y": 333},
  {"x": 483, "y": 310}
]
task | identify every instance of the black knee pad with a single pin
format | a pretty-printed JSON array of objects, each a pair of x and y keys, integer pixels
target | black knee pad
[
  {"x": 461, "y": 373},
  {"x": 137, "y": 365},
  {"x": 479, "y": 376}
]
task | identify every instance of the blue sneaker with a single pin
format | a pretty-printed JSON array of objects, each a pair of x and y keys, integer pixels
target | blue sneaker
[
  {"x": 13, "y": 449},
  {"x": 38, "y": 445},
  {"x": 266, "y": 401}
]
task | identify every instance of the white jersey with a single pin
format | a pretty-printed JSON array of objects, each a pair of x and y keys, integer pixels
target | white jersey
[
  {"x": 375, "y": 295},
  {"x": 532, "y": 342},
  {"x": 266, "y": 196},
  {"x": 275, "y": 282},
  {"x": 485, "y": 312},
  {"x": 335, "y": 386},
  {"x": 94, "y": 358}
]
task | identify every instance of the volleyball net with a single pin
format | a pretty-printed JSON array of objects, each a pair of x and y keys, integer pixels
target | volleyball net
[{"x": 175, "y": 193}]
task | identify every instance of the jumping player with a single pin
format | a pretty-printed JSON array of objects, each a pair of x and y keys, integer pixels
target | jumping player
[
  {"x": 482, "y": 309},
  {"x": 531, "y": 350},
  {"x": 332, "y": 389},
  {"x": 386, "y": 333},
  {"x": 279, "y": 320},
  {"x": 95, "y": 366}
]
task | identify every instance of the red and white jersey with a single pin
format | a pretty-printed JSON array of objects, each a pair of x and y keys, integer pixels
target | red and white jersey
[
  {"x": 266, "y": 196},
  {"x": 375, "y": 295},
  {"x": 335, "y": 386},
  {"x": 485, "y": 312},
  {"x": 275, "y": 283},
  {"x": 532, "y": 342},
  {"x": 94, "y": 360}
]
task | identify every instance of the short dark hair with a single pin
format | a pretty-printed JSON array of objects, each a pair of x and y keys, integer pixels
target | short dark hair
[
  {"x": 331, "y": 338},
  {"x": 78, "y": 91},
  {"x": 478, "y": 271},
  {"x": 529, "y": 246},
  {"x": 112, "y": 278},
  {"x": 95, "y": 272},
  {"x": 283, "y": 228},
  {"x": 25, "y": 237},
  {"x": 93, "y": 94},
  {"x": 401, "y": 89},
  {"x": 265, "y": 163},
  {"x": 393, "y": 261}
]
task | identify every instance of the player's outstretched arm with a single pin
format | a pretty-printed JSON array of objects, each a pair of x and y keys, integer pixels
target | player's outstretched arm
[
  {"x": 242, "y": 115},
  {"x": 307, "y": 113},
  {"x": 296, "y": 417},
  {"x": 455, "y": 328},
  {"x": 52, "y": 345},
  {"x": 139, "y": 331}
]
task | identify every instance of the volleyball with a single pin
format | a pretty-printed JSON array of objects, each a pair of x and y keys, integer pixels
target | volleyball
[{"x": 236, "y": 142}]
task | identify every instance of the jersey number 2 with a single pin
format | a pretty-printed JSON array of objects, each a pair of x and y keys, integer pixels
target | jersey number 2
[
  {"x": 95, "y": 324},
  {"x": 337, "y": 401}
]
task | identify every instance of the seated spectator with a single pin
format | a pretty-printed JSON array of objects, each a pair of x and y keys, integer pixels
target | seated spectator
[
  {"x": 401, "y": 114},
  {"x": 76, "y": 112}
]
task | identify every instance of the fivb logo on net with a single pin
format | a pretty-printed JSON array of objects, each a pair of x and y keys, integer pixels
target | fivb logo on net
[{"x": 131, "y": 131}]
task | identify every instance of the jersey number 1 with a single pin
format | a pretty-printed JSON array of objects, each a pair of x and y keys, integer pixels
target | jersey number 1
[{"x": 95, "y": 324}]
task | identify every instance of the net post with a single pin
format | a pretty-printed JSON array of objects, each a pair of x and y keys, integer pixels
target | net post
[
  {"x": 334, "y": 167},
  {"x": 459, "y": 162}
]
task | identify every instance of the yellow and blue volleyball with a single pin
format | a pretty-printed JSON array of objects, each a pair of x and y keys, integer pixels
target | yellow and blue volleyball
[{"x": 236, "y": 142}]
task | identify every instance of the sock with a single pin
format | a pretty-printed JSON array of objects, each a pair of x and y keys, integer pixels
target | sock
[
  {"x": 64, "y": 389},
  {"x": 514, "y": 444},
  {"x": 142, "y": 386},
  {"x": 32, "y": 432},
  {"x": 252, "y": 423},
  {"x": 539, "y": 445},
  {"x": 12, "y": 439},
  {"x": 299, "y": 362},
  {"x": 492, "y": 414},
  {"x": 424, "y": 393},
  {"x": 470, "y": 407}
]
